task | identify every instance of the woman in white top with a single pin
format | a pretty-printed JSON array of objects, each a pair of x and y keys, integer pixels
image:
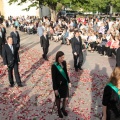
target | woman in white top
[
  {"x": 70, "y": 36},
  {"x": 92, "y": 41}
]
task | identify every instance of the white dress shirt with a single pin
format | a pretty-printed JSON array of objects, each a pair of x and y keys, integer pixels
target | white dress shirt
[{"x": 11, "y": 47}]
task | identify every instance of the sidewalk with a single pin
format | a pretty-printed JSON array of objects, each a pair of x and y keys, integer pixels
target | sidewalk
[{"x": 35, "y": 100}]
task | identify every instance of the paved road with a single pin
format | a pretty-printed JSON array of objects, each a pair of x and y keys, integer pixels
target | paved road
[
  {"x": 92, "y": 61},
  {"x": 35, "y": 100}
]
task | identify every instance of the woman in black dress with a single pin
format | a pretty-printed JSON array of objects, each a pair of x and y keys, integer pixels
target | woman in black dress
[
  {"x": 111, "y": 97},
  {"x": 61, "y": 83}
]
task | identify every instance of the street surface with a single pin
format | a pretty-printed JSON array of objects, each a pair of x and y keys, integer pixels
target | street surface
[{"x": 35, "y": 100}]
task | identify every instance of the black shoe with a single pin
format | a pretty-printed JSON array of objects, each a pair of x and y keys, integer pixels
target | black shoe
[
  {"x": 76, "y": 69},
  {"x": 64, "y": 112},
  {"x": 12, "y": 85},
  {"x": 80, "y": 68},
  {"x": 46, "y": 59},
  {"x": 60, "y": 114},
  {"x": 20, "y": 85}
]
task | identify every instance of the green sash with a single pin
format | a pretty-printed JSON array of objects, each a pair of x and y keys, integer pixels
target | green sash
[
  {"x": 114, "y": 88},
  {"x": 61, "y": 71}
]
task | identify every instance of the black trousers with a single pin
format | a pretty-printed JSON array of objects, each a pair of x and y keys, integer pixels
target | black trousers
[
  {"x": 1, "y": 50},
  {"x": 110, "y": 51},
  {"x": 104, "y": 50},
  {"x": 78, "y": 60},
  {"x": 16, "y": 73},
  {"x": 93, "y": 45},
  {"x": 99, "y": 49},
  {"x": 113, "y": 51},
  {"x": 45, "y": 51}
]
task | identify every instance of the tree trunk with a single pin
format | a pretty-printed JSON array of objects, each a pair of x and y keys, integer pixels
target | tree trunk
[
  {"x": 53, "y": 15},
  {"x": 111, "y": 11},
  {"x": 52, "y": 7}
]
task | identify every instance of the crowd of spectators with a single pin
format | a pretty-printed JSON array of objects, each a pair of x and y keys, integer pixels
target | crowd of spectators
[{"x": 97, "y": 34}]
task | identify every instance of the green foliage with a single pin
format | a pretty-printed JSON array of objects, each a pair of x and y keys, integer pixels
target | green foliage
[
  {"x": 59, "y": 7},
  {"x": 87, "y": 5}
]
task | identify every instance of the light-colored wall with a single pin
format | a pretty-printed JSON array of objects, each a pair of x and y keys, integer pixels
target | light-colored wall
[
  {"x": 15, "y": 10},
  {"x": 1, "y": 7}
]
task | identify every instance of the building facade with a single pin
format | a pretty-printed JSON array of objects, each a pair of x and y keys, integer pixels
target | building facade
[
  {"x": 1, "y": 7},
  {"x": 16, "y": 10}
]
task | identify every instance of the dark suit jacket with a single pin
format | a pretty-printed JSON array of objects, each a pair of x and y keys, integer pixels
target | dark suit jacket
[
  {"x": 4, "y": 35},
  {"x": 118, "y": 57},
  {"x": 8, "y": 57},
  {"x": 57, "y": 77},
  {"x": 16, "y": 38},
  {"x": 44, "y": 41},
  {"x": 1, "y": 40},
  {"x": 76, "y": 45}
]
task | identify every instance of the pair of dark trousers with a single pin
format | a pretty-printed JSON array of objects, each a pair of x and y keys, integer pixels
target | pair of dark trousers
[
  {"x": 99, "y": 49},
  {"x": 78, "y": 60},
  {"x": 0, "y": 49},
  {"x": 103, "y": 50},
  {"x": 45, "y": 51},
  {"x": 113, "y": 51},
  {"x": 109, "y": 51},
  {"x": 16, "y": 73},
  {"x": 92, "y": 45}
]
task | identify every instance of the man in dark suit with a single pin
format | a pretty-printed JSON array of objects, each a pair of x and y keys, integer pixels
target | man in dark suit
[
  {"x": 11, "y": 61},
  {"x": 118, "y": 57},
  {"x": 16, "y": 37},
  {"x": 1, "y": 41},
  {"x": 76, "y": 43},
  {"x": 44, "y": 40},
  {"x": 3, "y": 29}
]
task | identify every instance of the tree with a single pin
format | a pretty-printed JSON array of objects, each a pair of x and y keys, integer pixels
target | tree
[
  {"x": 101, "y": 5},
  {"x": 115, "y": 4},
  {"x": 52, "y": 4},
  {"x": 95, "y": 5}
]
